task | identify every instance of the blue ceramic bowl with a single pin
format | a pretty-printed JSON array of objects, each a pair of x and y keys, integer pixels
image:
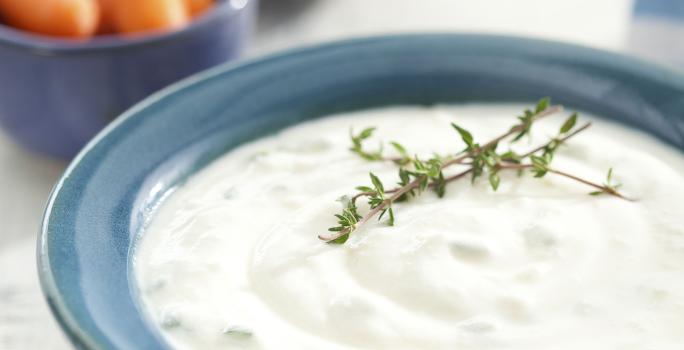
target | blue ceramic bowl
[
  {"x": 56, "y": 94},
  {"x": 104, "y": 198}
]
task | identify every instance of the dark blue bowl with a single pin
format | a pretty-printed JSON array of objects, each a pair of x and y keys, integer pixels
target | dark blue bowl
[
  {"x": 104, "y": 198},
  {"x": 56, "y": 94}
]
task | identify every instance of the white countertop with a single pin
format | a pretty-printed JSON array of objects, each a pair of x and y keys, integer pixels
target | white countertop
[{"x": 26, "y": 179}]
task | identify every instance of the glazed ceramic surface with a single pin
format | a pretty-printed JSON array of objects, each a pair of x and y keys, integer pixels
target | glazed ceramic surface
[{"x": 102, "y": 202}]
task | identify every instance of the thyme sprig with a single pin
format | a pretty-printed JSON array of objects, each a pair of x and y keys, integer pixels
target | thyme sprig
[{"x": 417, "y": 175}]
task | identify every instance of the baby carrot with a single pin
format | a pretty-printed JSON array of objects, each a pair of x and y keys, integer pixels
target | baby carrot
[
  {"x": 132, "y": 16},
  {"x": 197, "y": 7},
  {"x": 69, "y": 18},
  {"x": 106, "y": 23}
]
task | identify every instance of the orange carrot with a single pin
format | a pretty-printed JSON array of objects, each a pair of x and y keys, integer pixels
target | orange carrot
[
  {"x": 69, "y": 18},
  {"x": 106, "y": 22},
  {"x": 133, "y": 16},
  {"x": 197, "y": 7}
]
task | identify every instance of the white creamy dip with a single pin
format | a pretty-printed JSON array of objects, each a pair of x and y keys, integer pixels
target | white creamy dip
[{"x": 539, "y": 264}]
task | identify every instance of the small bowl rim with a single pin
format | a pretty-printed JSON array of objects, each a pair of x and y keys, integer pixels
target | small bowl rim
[{"x": 52, "y": 45}]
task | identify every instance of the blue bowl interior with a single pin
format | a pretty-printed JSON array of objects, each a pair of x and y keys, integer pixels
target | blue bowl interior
[{"x": 106, "y": 195}]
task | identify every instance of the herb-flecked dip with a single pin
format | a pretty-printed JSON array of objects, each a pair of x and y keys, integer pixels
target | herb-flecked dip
[{"x": 457, "y": 227}]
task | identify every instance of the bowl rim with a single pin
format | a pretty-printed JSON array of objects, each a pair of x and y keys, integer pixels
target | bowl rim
[
  {"x": 64, "y": 315},
  {"x": 51, "y": 45}
]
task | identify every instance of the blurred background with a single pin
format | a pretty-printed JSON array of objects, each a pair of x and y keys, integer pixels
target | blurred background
[{"x": 651, "y": 29}]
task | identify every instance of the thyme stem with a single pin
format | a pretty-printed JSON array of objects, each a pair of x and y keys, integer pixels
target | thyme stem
[
  {"x": 545, "y": 113},
  {"x": 602, "y": 188},
  {"x": 416, "y": 175},
  {"x": 560, "y": 140}
]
